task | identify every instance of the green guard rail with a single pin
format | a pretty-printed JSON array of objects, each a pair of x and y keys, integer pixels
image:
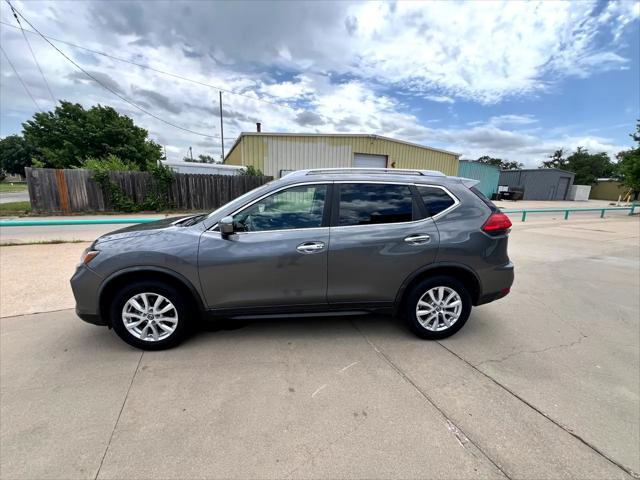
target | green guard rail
[
  {"x": 86, "y": 221},
  {"x": 566, "y": 211}
]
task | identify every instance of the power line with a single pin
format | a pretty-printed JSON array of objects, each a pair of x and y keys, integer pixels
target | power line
[
  {"x": 20, "y": 78},
  {"x": 114, "y": 92},
  {"x": 32, "y": 54},
  {"x": 163, "y": 72}
]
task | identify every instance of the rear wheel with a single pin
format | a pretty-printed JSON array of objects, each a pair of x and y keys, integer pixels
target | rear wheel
[
  {"x": 150, "y": 315},
  {"x": 437, "y": 307}
]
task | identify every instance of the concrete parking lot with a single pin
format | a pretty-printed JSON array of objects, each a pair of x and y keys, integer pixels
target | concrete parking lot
[{"x": 542, "y": 384}]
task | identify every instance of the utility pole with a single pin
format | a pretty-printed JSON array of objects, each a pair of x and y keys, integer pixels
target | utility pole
[
  {"x": 191, "y": 153},
  {"x": 221, "y": 128}
]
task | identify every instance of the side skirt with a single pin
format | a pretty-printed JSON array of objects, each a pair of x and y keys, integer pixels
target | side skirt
[{"x": 300, "y": 311}]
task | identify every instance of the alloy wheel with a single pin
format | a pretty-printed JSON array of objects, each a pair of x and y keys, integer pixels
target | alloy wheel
[
  {"x": 439, "y": 308},
  {"x": 150, "y": 316}
]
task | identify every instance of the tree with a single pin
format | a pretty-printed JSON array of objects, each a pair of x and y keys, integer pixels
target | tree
[
  {"x": 70, "y": 134},
  {"x": 201, "y": 159},
  {"x": 557, "y": 160},
  {"x": 15, "y": 154},
  {"x": 628, "y": 167},
  {"x": 588, "y": 167},
  {"x": 498, "y": 162}
]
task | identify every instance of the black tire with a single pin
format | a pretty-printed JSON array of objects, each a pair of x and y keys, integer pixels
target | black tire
[
  {"x": 422, "y": 287},
  {"x": 172, "y": 294}
]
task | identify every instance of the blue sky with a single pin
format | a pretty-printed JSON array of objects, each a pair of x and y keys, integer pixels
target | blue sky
[{"x": 515, "y": 80}]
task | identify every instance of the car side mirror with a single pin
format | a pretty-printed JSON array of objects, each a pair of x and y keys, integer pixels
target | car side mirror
[{"x": 226, "y": 226}]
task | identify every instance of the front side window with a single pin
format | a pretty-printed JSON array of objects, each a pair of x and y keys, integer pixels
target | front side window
[
  {"x": 367, "y": 204},
  {"x": 435, "y": 199},
  {"x": 296, "y": 207}
]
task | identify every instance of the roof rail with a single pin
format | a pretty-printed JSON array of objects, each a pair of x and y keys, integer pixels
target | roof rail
[{"x": 371, "y": 171}]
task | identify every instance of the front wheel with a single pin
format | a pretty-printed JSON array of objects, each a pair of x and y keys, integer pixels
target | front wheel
[
  {"x": 150, "y": 315},
  {"x": 437, "y": 307}
]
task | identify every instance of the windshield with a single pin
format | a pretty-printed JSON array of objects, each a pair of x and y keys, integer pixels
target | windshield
[{"x": 237, "y": 202}]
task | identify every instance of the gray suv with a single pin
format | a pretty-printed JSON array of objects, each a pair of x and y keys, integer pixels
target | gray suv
[{"x": 316, "y": 242}]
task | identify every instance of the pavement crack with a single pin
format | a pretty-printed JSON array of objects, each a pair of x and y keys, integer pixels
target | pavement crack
[
  {"x": 312, "y": 456},
  {"x": 461, "y": 437},
  {"x": 552, "y": 420},
  {"x": 115, "y": 425},
  {"x": 531, "y": 352}
]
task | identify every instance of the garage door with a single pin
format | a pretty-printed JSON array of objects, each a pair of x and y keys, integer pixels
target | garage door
[{"x": 363, "y": 160}]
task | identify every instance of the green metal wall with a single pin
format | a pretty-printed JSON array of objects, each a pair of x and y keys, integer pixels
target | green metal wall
[{"x": 488, "y": 175}]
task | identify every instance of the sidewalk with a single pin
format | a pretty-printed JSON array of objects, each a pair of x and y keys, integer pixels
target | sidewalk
[{"x": 67, "y": 233}]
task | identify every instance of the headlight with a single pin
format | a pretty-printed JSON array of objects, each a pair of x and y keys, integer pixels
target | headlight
[{"x": 88, "y": 255}]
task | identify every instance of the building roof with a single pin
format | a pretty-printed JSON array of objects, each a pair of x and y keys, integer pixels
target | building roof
[
  {"x": 539, "y": 170},
  {"x": 180, "y": 163},
  {"x": 355, "y": 135}
]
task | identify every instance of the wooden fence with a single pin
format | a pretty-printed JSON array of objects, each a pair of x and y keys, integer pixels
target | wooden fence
[{"x": 73, "y": 190}]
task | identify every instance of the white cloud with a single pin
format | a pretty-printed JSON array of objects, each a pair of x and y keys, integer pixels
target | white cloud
[
  {"x": 439, "y": 98},
  {"x": 326, "y": 63},
  {"x": 512, "y": 120}
]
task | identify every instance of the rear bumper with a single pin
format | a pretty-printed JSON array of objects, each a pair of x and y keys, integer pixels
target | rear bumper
[
  {"x": 496, "y": 283},
  {"x": 85, "y": 285}
]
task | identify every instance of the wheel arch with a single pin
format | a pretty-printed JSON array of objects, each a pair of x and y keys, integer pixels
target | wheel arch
[
  {"x": 462, "y": 273},
  {"x": 110, "y": 285}
]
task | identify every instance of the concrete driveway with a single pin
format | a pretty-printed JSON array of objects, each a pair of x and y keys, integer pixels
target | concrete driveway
[{"x": 542, "y": 384}]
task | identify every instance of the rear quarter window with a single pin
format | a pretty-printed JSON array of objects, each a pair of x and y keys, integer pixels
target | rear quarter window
[
  {"x": 435, "y": 199},
  {"x": 484, "y": 199}
]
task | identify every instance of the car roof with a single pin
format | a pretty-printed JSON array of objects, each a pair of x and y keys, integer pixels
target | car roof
[{"x": 374, "y": 175}]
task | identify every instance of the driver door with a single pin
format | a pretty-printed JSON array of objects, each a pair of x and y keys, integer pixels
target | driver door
[{"x": 277, "y": 255}]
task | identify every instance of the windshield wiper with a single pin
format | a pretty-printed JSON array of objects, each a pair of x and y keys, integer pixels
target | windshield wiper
[{"x": 193, "y": 220}]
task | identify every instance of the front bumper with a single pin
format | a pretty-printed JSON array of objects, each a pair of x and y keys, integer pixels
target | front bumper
[
  {"x": 496, "y": 283},
  {"x": 85, "y": 284}
]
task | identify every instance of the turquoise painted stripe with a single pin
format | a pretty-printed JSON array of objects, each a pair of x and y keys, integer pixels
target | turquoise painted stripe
[{"x": 92, "y": 221}]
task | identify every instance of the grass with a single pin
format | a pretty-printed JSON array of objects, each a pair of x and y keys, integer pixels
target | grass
[
  {"x": 15, "y": 208},
  {"x": 13, "y": 188}
]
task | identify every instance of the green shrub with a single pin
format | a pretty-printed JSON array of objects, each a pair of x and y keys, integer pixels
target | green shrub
[
  {"x": 158, "y": 196},
  {"x": 110, "y": 163},
  {"x": 252, "y": 171}
]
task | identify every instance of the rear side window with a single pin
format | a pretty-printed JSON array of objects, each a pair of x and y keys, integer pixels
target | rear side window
[
  {"x": 435, "y": 199},
  {"x": 368, "y": 204},
  {"x": 484, "y": 199}
]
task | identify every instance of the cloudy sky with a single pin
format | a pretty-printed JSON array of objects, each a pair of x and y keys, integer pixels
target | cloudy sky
[{"x": 508, "y": 79}]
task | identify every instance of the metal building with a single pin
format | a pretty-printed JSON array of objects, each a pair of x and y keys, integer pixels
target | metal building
[
  {"x": 539, "y": 183},
  {"x": 279, "y": 153},
  {"x": 203, "y": 168},
  {"x": 488, "y": 175},
  {"x": 610, "y": 189}
]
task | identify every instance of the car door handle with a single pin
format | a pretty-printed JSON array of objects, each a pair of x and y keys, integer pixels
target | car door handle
[
  {"x": 417, "y": 239},
  {"x": 310, "y": 247}
]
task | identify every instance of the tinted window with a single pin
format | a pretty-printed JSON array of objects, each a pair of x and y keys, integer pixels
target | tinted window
[
  {"x": 435, "y": 200},
  {"x": 484, "y": 199},
  {"x": 365, "y": 204},
  {"x": 296, "y": 207}
]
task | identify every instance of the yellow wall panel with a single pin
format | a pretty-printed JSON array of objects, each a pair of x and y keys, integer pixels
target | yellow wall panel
[{"x": 273, "y": 153}]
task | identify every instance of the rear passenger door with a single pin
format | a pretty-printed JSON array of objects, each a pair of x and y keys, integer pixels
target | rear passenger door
[{"x": 379, "y": 234}]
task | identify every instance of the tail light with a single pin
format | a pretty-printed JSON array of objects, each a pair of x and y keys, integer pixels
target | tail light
[{"x": 498, "y": 222}]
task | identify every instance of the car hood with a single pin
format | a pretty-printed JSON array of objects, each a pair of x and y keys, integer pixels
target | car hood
[{"x": 142, "y": 229}]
